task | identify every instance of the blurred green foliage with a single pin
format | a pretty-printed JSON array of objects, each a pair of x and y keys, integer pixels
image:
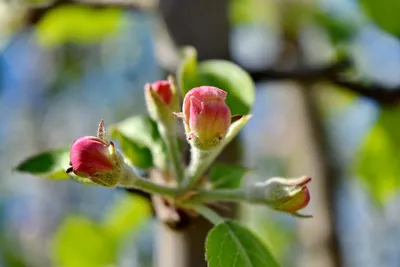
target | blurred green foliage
[
  {"x": 77, "y": 24},
  {"x": 339, "y": 30},
  {"x": 377, "y": 162},
  {"x": 80, "y": 241},
  {"x": 385, "y": 13},
  {"x": 253, "y": 11},
  {"x": 226, "y": 176}
]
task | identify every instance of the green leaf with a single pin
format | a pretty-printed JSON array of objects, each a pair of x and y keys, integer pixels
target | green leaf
[
  {"x": 127, "y": 215},
  {"x": 385, "y": 13},
  {"x": 229, "y": 245},
  {"x": 226, "y": 176},
  {"x": 50, "y": 164},
  {"x": 138, "y": 155},
  {"x": 222, "y": 74},
  {"x": 141, "y": 131},
  {"x": 187, "y": 71},
  {"x": 77, "y": 24},
  {"x": 80, "y": 242},
  {"x": 376, "y": 163}
]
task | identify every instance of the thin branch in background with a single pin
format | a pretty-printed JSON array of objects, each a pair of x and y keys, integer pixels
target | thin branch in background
[
  {"x": 333, "y": 73},
  {"x": 303, "y": 74},
  {"x": 383, "y": 95}
]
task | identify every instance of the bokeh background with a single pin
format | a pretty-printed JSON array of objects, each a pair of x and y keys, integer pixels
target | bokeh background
[{"x": 328, "y": 79}]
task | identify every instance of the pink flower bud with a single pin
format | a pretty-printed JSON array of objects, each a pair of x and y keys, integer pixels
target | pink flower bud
[
  {"x": 163, "y": 90},
  {"x": 287, "y": 195},
  {"x": 90, "y": 155},
  {"x": 207, "y": 117},
  {"x": 161, "y": 100},
  {"x": 97, "y": 160}
]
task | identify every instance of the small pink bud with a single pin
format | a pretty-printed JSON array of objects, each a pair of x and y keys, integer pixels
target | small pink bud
[
  {"x": 287, "y": 195},
  {"x": 90, "y": 155},
  {"x": 207, "y": 117},
  {"x": 97, "y": 160},
  {"x": 161, "y": 100},
  {"x": 163, "y": 90}
]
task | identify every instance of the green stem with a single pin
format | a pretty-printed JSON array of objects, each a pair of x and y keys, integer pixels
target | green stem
[
  {"x": 199, "y": 162},
  {"x": 173, "y": 151},
  {"x": 131, "y": 180},
  {"x": 209, "y": 214},
  {"x": 202, "y": 160},
  {"x": 233, "y": 195}
]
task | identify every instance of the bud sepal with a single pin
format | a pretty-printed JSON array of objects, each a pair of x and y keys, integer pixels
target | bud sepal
[{"x": 286, "y": 195}]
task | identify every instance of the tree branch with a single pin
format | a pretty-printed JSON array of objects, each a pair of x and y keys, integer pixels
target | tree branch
[
  {"x": 333, "y": 73},
  {"x": 383, "y": 95},
  {"x": 303, "y": 74}
]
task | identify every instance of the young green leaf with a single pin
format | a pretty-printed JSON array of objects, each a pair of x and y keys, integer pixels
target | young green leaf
[
  {"x": 222, "y": 74},
  {"x": 226, "y": 176},
  {"x": 138, "y": 155},
  {"x": 229, "y": 245},
  {"x": 143, "y": 132},
  {"x": 187, "y": 71},
  {"x": 50, "y": 164}
]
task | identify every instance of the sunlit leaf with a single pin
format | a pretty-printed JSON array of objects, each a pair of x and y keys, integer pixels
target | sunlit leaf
[
  {"x": 127, "y": 215},
  {"x": 80, "y": 242},
  {"x": 385, "y": 13},
  {"x": 377, "y": 163},
  {"x": 77, "y": 24},
  {"x": 229, "y": 244},
  {"x": 222, "y": 74},
  {"x": 50, "y": 164},
  {"x": 226, "y": 176}
]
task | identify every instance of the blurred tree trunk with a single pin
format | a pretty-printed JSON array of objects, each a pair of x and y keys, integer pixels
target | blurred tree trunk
[
  {"x": 204, "y": 25},
  {"x": 318, "y": 239},
  {"x": 200, "y": 23}
]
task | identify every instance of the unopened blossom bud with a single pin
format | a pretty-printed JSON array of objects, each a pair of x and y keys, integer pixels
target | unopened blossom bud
[
  {"x": 206, "y": 116},
  {"x": 97, "y": 160},
  {"x": 287, "y": 195},
  {"x": 162, "y": 100},
  {"x": 163, "y": 90}
]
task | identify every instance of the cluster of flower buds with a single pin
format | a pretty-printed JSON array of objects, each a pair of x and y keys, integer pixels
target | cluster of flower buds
[
  {"x": 287, "y": 195},
  {"x": 206, "y": 116}
]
